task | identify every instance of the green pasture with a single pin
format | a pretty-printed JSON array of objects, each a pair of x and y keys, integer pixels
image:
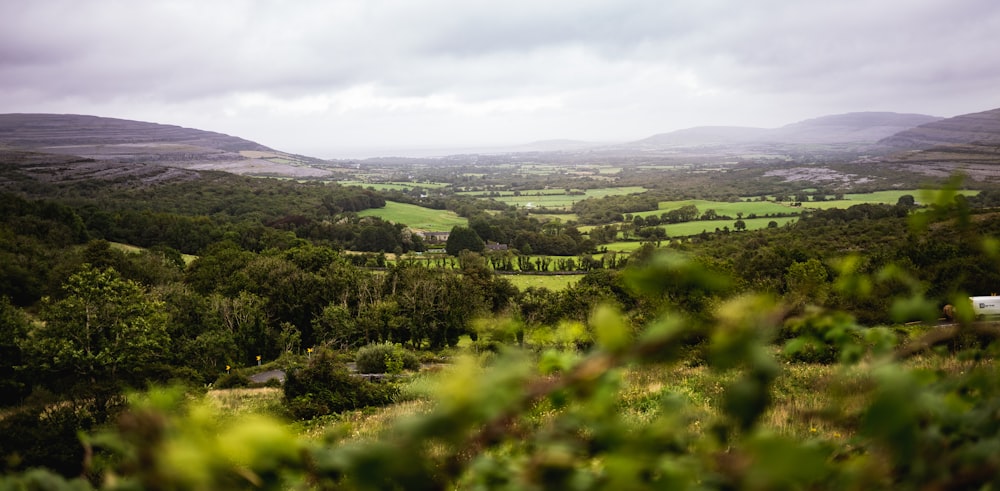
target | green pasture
[
  {"x": 131, "y": 249},
  {"x": 416, "y": 217},
  {"x": 625, "y": 246},
  {"x": 394, "y": 186},
  {"x": 694, "y": 228},
  {"x": 509, "y": 194},
  {"x": 554, "y": 282},
  {"x": 730, "y": 208},
  {"x": 877, "y": 197},
  {"x": 557, "y": 198}
]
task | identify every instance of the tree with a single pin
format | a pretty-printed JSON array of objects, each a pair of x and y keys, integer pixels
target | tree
[
  {"x": 463, "y": 239},
  {"x": 105, "y": 331},
  {"x": 808, "y": 282},
  {"x": 740, "y": 225},
  {"x": 13, "y": 332}
]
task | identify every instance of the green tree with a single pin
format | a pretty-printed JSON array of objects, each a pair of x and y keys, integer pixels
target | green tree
[
  {"x": 105, "y": 331},
  {"x": 463, "y": 239},
  {"x": 808, "y": 282},
  {"x": 13, "y": 333}
]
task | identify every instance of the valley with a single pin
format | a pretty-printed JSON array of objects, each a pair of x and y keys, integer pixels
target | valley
[{"x": 665, "y": 310}]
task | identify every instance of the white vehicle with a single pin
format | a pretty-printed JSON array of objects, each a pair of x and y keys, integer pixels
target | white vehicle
[
  {"x": 981, "y": 307},
  {"x": 985, "y": 306}
]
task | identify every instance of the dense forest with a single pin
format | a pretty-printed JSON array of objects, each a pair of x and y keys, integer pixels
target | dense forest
[{"x": 232, "y": 271}]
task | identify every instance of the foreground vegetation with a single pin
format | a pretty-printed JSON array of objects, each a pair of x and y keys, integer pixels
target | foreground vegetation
[{"x": 778, "y": 357}]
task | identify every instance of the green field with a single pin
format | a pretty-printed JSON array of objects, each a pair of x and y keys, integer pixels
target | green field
[
  {"x": 884, "y": 197},
  {"x": 623, "y": 246},
  {"x": 730, "y": 208},
  {"x": 394, "y": 186},
  {"x": 557, "y": 198},
  {"x": 694, "y": 228},
  {"x": 416, "y": 217},
  {"x": 131, "y": 249},
  {"x": 554, "y": 282}
]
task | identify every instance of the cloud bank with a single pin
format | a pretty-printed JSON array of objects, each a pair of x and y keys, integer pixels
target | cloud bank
[{"x": 329, "y": 77}]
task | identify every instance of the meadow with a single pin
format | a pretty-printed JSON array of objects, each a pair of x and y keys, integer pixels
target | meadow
[
  {"x": 416, "y": 217},
  {"x": 395, "y": 186},
  {"x": 731, "y": 208},
  {"x": 556, "y": 199},
  {"x": 554, "y": 282}
]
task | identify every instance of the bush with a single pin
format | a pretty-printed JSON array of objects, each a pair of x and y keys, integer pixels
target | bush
[
  {"x": 326, "y": 386},
  {"x": 45, "y": 436},
  {"x": 385, "y": 358},
  {"x": 231, "y": 381}
]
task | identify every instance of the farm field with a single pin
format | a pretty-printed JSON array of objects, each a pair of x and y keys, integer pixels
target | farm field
[
  {"x": 554, "y": 282},
  {"x": 886, "y": 197},
  {"x": 416, "y": 217},
  {"x": 694, "y": 228},
  {"x": 730, "y": 208},
  {"x": 394, "y": 186},
  {"x": 558, "y": 199}
]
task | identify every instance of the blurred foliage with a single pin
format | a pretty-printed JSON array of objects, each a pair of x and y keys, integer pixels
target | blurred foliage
[
  {"x": 385, "y": 358},
  {"x": 542, "y": 408},
  {"x": 325, "y": 386}
]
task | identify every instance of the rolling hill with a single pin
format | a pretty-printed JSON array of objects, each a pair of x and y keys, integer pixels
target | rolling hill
[
  {"x": 859, "y": 128},
  {"x": 120, "y": 141},
  {"x": 969, "y": 142}
]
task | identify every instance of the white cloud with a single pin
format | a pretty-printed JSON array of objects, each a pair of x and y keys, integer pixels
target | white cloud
[{"x": 448, "y": 72}]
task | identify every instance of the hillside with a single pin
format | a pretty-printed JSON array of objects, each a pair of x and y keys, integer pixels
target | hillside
[
  {"x": 702, "y": 135},
  {"x": 124, "y": 141},
  {"x": 970, "y": 143},
  {"x": 860, "y": 128}
]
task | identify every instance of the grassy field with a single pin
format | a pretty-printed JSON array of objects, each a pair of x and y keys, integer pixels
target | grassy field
[
  {"x": 694, "y": 228},
  {"x": 797, "y": 411},
  {"x": 884, "y": 197},
  {"x": 558, "y": 199},
  {"x": 552, "y": 282},
  {"x": 416, "y": 217},
  {"x": 188, "y": 258},
  {"x": 395, "y": 186},
  {"x": 730, "y": 208}
]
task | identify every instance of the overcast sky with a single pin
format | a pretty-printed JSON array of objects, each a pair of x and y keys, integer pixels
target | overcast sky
[{"x": 340, "y": 77}]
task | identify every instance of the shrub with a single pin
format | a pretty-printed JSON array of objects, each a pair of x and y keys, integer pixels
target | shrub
[
  {"x": 231, "y": 380},
  {"x": 385, "y": 358},
  {"x": 326, "y": 386}
]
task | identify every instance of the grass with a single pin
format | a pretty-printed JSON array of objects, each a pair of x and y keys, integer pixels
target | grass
[
  {"x": 416, "y": 217},
  {"x": 552, "y": 282},
  {"x": 557, "y": 198},
  {"x": 131, "y": 249},
  {"x": 688, "y": 229},
  {"x": 263, "y": 400},
  {"x": 394, "y": 186},
  {"x": 731, "y": 208},
  {"x": 877, "y": 197}
]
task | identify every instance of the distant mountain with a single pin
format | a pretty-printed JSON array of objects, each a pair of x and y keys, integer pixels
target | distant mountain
[
  {"x": 54, "y": 131},
  {"x": 969, "y": 141},
  {"x": 557, "y": 145},
  {"x": 976, "y": 129},
  {"x": 859, "y": 128},
  {"x": 702, "y": 135},
  {"x": 126, "y": 141}
]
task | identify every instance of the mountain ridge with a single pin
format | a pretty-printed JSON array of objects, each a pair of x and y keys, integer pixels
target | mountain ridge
[
  {"x": 847, "y": 128},
  {"x": 127, "y": 141}
]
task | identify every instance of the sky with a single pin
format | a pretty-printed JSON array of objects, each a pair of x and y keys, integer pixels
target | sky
[{"x": 352, "y": 78}]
